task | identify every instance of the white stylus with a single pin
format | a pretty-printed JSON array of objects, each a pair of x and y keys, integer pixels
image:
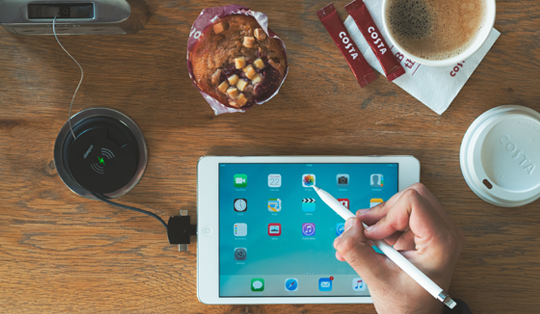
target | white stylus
[{"x": 391, "y": 253}]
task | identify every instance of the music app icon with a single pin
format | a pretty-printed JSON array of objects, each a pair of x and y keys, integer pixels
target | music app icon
[
  {"x": 358, "y": 284},
  {"x": 308, "y": 229}
]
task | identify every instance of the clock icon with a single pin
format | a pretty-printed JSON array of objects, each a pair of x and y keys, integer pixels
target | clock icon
[{"x": 240, "y": 205}]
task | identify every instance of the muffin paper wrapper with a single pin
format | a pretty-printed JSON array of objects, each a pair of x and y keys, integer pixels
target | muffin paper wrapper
[{"x": 208, "y": 17}]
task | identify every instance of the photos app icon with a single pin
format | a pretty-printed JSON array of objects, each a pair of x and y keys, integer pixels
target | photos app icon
[{"x": 308, "y": 180}]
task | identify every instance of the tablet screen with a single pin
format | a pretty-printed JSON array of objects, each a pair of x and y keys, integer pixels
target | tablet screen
[{"x": 276, "y": 235}]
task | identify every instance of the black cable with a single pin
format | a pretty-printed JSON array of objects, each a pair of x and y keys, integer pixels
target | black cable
[{"x": 102, "y": 198}]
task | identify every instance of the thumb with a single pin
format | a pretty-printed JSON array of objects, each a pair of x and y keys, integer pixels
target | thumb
[{"x": 356, "y": 249}]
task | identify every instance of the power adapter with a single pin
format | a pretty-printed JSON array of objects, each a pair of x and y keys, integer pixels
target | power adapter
[{"x": 179, "y": 230}]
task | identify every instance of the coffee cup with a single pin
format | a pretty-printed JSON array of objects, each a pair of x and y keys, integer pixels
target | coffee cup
[
  {"x": 500, "y": 156},
  {"x": 438, "y": 32}
]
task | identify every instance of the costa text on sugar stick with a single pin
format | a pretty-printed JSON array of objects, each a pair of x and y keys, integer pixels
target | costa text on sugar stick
[
  {"x": 333, "y": 24},
  {"x": 360, "y": 14}
]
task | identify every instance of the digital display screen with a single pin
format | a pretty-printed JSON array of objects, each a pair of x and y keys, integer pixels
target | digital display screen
[{"x": 276, "y": 235}]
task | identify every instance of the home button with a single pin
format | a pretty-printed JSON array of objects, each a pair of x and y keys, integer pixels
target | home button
[{"x": 208, "y": 230}]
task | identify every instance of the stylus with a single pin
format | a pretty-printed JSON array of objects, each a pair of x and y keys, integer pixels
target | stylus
[{"x": 391, "y": 253}]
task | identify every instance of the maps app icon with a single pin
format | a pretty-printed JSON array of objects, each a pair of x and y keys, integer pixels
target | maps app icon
[{"x": 274, "y": 205}]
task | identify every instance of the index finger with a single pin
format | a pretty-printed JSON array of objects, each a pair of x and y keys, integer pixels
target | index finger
[
  {"x": 412, "y": 211},
  {"x": 376, "y": 213}
]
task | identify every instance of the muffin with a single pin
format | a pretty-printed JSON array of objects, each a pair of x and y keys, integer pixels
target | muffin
[{"x": 235, "y": 62}]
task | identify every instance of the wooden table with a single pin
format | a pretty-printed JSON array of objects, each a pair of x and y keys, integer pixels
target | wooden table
[{"x": 63, "y": 253}]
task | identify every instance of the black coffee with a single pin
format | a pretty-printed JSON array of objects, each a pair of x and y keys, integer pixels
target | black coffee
[{"x": 435, "y": 29}]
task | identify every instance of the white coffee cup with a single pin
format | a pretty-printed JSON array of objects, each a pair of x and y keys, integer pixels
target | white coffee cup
[
  {"x": 500, "y": 156},
  {"x": 478, "y": 41}
]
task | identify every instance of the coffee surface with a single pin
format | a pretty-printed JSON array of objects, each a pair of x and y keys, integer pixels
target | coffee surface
[{"x": 435, "y": 29}]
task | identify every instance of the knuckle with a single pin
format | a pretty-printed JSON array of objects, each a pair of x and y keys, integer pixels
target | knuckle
[
  {"x": 420, "y": 188},
  {"x": 411, "y": 194},
  {"x": 400, "y": 223},
  {"x": 346, "y": 244},
  {"x": 336, "y": 241},
  {"x": 377, "y": 208},
  {"x": 380, "y": 207},
  {"x": 454, "y": 242}
]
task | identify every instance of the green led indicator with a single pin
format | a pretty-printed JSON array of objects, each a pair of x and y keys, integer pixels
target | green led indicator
[{"x": 101, "y": 161}]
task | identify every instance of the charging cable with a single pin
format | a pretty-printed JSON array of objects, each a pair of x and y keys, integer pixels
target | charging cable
[
  {"x": 179, "y": 229},
  {"x": 80, "y": 81}
]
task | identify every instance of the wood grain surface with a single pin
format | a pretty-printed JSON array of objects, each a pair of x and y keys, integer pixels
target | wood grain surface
[{"x": 63, "y": 253}]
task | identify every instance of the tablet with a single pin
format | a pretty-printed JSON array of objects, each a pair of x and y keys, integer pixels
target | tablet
[{"x": 264, "y": 235}]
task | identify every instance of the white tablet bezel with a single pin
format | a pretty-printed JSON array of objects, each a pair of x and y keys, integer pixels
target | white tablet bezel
[{"x": 208, "y": 224}]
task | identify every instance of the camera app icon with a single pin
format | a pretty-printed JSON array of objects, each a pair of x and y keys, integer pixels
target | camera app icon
[{"x": 342, "y": 180}]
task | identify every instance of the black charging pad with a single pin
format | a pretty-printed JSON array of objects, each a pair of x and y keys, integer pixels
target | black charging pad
[{"x": 107, "y": 156}]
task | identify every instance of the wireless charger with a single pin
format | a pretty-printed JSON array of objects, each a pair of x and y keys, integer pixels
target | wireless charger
[{"x": 107, "y": 157}]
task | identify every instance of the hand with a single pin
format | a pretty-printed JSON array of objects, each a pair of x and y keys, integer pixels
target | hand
[{"x": 415, "y": 223}]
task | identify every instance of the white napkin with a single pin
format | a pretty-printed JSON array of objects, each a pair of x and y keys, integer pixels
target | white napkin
[{"x": 435, "y": 87}]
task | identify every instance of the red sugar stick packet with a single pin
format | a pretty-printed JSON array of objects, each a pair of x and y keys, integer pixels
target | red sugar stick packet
[
  {"x": 361, "y": 69},
  {"x": 360, "y": 14}
]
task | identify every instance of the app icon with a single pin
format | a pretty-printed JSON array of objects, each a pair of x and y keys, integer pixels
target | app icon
[
  {"x": 344, "y": 202},
  {"x": 240, "y": 229},
  {"x": 240, "y": 253},
  {"x": 291, "y": 284},
  {"x": 340, "y": 228},
  {"x": 308, "y": 229},
  {"x": 325, "y": 284},
  {"x": 240, "y": 205},
  {"x": 274, "y": 229},
  {"x": 358, "y": 284},
  {"x": 308, "y": 204},
  {"x": 274, "y": 180},
  {"x": 257, "y": 284},
  {"x": 240, "y": 180},
  {"x": 377, "y": 180},
  {"x": 342, "y": 180},
  {"x": 375, "y": 201},
  {"x": 274, "y": 205},
  {"x": 308, "y": 180}
]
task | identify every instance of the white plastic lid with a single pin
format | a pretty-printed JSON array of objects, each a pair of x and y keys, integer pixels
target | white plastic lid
[{"x": 500, "y": 156}]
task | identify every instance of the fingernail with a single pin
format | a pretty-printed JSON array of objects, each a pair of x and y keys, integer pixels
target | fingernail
[
  {"x": 363, "y": 211},
  {"x": 369, "y": 228},
  {"x": 348, "y": 224}
]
